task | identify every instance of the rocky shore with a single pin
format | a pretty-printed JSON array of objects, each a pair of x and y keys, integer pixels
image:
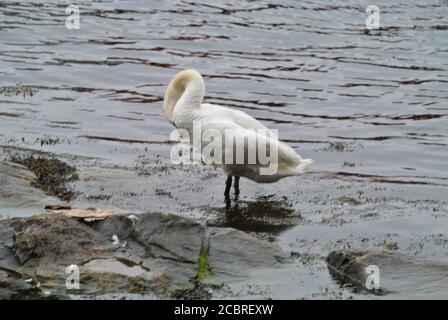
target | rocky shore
[
  {"x": 80, "y": 254},
  {"x": 152, "y": 252}
]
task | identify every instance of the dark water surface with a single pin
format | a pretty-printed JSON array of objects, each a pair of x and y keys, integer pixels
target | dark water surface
[{"x": 370, "y": 108}]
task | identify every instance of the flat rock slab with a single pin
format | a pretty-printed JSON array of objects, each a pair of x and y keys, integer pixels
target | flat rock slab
[
  {"x": 397, "y": 273},
  {"x": 136, "y": 254},
  {"x": 17, "y": 195}
]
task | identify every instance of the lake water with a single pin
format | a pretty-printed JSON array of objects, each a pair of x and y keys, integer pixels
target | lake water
[{"x": 370, "y": 108}]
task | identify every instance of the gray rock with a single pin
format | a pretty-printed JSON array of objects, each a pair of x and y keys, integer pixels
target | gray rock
[
  {"x": 232, "y": 252},
  {"x": 398, "y": 274},
  {"x": 17, "y": 195},
  {"x": 155, "y": 253}
]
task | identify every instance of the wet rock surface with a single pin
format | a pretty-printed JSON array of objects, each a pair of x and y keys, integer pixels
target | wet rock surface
[
  {"x": 397, "y": 273},
  {"x": 17, "y": 194},
  {"x": 137, "y": 254},
  {"x": 219, "y": 250}
]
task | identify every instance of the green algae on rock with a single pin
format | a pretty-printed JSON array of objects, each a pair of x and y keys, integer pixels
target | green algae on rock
[{"x": 204, "y": 268}]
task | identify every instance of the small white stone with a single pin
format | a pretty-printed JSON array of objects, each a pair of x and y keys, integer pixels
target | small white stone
[{"x": 116, "y": 240}]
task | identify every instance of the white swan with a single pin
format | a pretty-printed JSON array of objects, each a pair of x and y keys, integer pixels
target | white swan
[{"x": 183, "y": 106}]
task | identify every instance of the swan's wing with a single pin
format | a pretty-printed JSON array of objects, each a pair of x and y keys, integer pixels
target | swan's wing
[
  {"x": 246, "y": 121},
  {"x": 250, "y": 140},
  {"x": 220, "y": 118},
  {"x": 238, "y": 117},
  {"x": 287, "y": 155}
]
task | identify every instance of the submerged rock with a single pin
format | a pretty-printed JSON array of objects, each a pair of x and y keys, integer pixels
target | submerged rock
[
  {"x": 18, "y": 195},
  {"x": 138, "y": 254},
  {"x": 397, "y": 273}
]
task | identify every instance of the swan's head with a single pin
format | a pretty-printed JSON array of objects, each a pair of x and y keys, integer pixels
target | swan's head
[{"x": 189, "y": 82}]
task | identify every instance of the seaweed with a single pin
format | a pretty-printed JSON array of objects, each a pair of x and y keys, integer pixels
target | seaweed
[
  {"x": 17, "y": 90},
  {"x": 52, "y": 174}
]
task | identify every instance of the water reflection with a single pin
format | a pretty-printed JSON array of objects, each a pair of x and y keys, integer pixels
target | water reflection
[{"x": 264, "y": 214}]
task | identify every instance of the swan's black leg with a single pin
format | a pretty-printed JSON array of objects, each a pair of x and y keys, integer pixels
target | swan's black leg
[
  {"x": 236, "y": 185},
  {"x": 228, "y": 186},
  {"x": 228, "y": 202}
]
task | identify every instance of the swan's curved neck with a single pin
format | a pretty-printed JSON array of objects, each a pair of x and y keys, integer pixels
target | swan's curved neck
[{"x": 186, "y": 90}]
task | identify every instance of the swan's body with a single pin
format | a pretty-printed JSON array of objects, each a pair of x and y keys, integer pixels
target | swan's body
[{"x": 183, "y": 106}]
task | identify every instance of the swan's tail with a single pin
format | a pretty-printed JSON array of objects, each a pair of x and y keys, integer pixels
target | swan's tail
[
  {"x": 292, "y": 170},
  {"x": 304, "y": 163}
]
